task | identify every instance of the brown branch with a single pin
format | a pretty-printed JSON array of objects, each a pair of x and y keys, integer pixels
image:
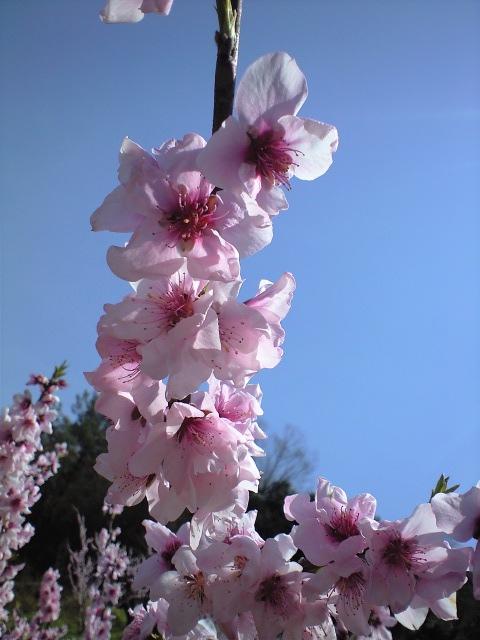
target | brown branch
[{"x": 227, "y": 39}]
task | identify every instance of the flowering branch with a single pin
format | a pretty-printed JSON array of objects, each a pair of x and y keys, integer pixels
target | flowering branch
[
  {"x": 24, "y": 468},
  {"x": 227, "y": 39}
]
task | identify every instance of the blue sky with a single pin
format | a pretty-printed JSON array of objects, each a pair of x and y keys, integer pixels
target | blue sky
[{"x": 382, "y": 357}]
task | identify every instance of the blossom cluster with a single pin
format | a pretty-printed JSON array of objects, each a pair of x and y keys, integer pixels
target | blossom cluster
[
  {"x": 358, "y": 574},
  {"x": 97, "y": 572},
  {"x": 24, "y": 467},
  {"x": 40, "y": 626},
  {"x": 193, "y": 208},
  {"x": 177, "y": 358}
]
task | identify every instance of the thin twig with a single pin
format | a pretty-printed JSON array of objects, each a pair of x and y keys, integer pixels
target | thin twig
[{"x": 227, "y": 40}]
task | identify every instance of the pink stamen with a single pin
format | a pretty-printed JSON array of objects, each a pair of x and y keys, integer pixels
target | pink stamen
[
  {"x": 271, "y": 156},
  {"x": 342, "y": 525},
  {"x": 194, "y": 214}
]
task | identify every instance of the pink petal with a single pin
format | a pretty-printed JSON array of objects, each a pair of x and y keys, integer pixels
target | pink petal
[
  {"x": 147, "y": 254},
  {"x": 273, "y": 86},
  {"x": 157, "y": 6},
  {"x": 122, "y": 11},
  {"x": 118, "y": 212},
  {"x": 224, "y": 154},
  {"x": 314, "y": 141},
  {"x": 212, "y": 258}
]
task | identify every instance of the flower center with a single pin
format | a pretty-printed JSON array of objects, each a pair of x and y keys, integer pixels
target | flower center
[
  {"x": 197, "y": 431},
  {"x": 401, "y": 553},
  {"x": 128, "y": 358},
  {"x": 342, "y": 525},
  {"x": 271, "y": 157},
  {"x": 196, "y": 586},
  {"x": 170, "y": 550},
  {"x": 165, "y": 310},
  {"x": 240, "y": 562},
  {"x": 194, "y": 215},
  {"x": 275, "y": 593}
]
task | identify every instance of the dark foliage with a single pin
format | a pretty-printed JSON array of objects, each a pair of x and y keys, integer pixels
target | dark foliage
[{"x": 269, "y": 503}]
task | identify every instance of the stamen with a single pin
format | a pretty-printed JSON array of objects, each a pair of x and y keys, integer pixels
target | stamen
[
  {"x": 272, "y": 157},
  {"x": 342, "y": 525},
  {"x": 195, "y": 213},
  {"x": 274, "y": 592},
  {"x": 402, "y": 553},
  {"x": 196, "y": 586},
  {"x": 170, "y": 550}
]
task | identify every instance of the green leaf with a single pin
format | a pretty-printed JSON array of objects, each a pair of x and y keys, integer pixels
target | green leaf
[
  {"x": 442, "y": 486},
  {"x": 59, "y": 371}
]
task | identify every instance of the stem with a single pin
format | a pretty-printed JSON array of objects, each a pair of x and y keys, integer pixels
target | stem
[{"x": 227, "y": 38}]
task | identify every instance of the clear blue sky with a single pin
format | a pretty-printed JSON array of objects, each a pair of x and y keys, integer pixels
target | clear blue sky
[{"x": 382, "y": 361}]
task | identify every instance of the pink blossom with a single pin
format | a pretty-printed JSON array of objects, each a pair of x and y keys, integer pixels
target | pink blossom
[
  {"x": 268, "y": 143},
  {"x": 347, "y": 586},
  {"x": 24, "y": 468},
  {"x": 379, "y": 622},
  {"x": 224, "y": 526},
  {"x": 330, "y": 527},
  {"x": 146, "y": 403},
  {"x": 410, "y": 557},
  {"x": 120, "y": 366},
  {"x": 312, "y": 621},
  {"x": 459, "y": 516},
  {"x": 415, "y": 614},
  {"x": 241, "y": 406},
  {"x": 155, "y": 615},
  {"x": 186, "y": 592},
  {"x": 168, "y": 320},
  {"x": 230, "y": 566},
  {"x": 177, "y": 217},
  {"x": 250, "y": 333},
  {"x": 127, "y": 488},
  {"x": 201, "y": 456},
  {"x": 277, "y": 595},
  {"x": 165, "y": 543},
  {"x": 186, "y": 329},
  {"x": 133, "y": 10},
  {"x": 49, "y": 601}
]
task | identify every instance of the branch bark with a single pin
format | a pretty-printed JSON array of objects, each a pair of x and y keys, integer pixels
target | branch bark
[{"x": 227, "y": 40}]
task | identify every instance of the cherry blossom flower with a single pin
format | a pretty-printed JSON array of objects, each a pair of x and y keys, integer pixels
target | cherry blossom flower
[
  {"x": 177, "y": 217},
  {"x": 201, "y": 456},
  {"x": 165, "y": 543},
  {"x": 186, "y": 592},
  {"x": 120, "y": 366},
  {"x": 268, "y": 143},
  {"x": 347, "y": 586},
  {"x": 379, "y": 622},
  {"x": 277, "y": 595},
  {"x": 127, "y": 488},
  {"x": 133, "y": 10},
  {"x": 186, "y": 329},
  {"x": 250, "y": 333},
  {"x": 230, "y": 566},
  {"x": 410, "y": 557},
  {"x": 459, "y": 516},
  {"x": 167, "y": 321},
  {"x": 330, "y": 527},
  {"x": 416, "y": 613}
]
